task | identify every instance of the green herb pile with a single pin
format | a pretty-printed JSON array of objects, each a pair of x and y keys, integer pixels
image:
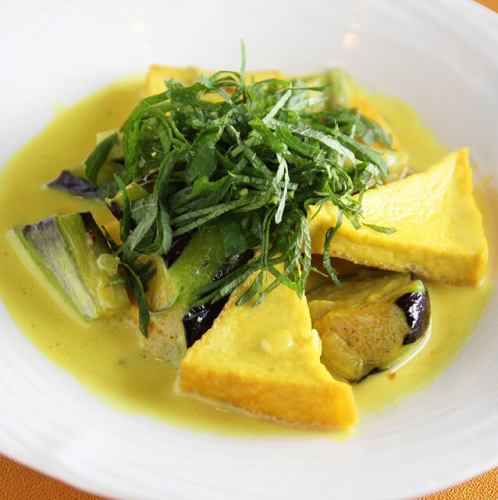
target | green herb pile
[{"x": 251, "y": 162}]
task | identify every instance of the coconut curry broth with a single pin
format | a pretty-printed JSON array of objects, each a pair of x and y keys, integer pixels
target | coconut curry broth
[{"x": 105, "y": 355}]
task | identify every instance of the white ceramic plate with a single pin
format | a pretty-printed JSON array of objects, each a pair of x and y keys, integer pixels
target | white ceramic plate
[{"x": 439, "y": 56}]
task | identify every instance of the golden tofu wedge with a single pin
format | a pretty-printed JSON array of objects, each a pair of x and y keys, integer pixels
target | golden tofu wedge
[
  {"x": 439, "y": 233},
  {"x": 266, "y": 360}
]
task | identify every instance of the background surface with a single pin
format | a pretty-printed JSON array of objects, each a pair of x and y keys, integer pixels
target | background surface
[{"x": 21, "y": 483}]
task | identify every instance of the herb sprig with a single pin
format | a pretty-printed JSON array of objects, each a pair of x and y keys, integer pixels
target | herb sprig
[{"x": 251, "y": 161}]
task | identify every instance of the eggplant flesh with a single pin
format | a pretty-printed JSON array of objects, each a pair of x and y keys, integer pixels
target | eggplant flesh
[
  {"x": 175, "y": 324},
  {"x": 369, "y": 322},
  {"x": 173, "y": 289},
  {"x": 72, "y": 253}
]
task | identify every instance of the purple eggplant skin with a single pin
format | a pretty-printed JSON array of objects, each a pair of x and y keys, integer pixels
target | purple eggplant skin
[
  {"x": 200, "y": 319},
  {"x": 417, "y": 309},
  {"x": 115, "y": 209},
  {"x": 73, "y": 184}
]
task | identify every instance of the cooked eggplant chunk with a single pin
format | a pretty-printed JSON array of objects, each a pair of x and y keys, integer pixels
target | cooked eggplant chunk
[
  {"x": 75, "y": 182},
  {"x": 71, "y": 183},
  {"x": 172, "y": 291},
  {"x": 92, "y": 177},
  {"x": 174, "y": 324},
  {"x": 199, "y": 319},
  {"x": 364, "y": 323},
  {"x": 416, "y": 307},
  {"x": 73, "y": 254}
]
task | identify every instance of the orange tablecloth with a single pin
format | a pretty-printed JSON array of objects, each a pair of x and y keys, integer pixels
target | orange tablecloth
[{"x": 21, "y": 483}]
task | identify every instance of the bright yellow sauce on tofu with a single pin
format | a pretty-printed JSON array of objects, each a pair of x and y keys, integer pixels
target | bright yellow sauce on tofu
[{"x": 105, "y": 355}]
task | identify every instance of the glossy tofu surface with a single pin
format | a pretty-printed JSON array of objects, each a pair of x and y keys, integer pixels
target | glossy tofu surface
[{"x": 439, "y": 233}]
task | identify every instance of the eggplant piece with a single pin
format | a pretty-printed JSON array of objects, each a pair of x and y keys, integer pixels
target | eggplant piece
[
  {"x": 74, "y": 184},
  {"x": 368, "y": 322},
  {"x": 174, "y": 324},
  {"x": 194, "y": 268},
  {"x": 72, "y": 253},
  {"x": 74, "y": 181},
  {"x": 106, "y": 160},
  {"x": 172, "y": 291},
  {"x": 416, "y": 307},
  {"x": 199, "y": 319}
]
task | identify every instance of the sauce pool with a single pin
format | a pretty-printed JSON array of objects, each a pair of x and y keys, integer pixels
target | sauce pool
[{"x": 105, "y": 355}]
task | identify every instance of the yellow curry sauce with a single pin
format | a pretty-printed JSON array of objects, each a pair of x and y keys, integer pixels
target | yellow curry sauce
[{"x": 105, "y": 355}]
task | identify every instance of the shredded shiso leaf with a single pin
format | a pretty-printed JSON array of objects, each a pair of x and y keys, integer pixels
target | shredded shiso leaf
[{"x": 250, "y": 161}]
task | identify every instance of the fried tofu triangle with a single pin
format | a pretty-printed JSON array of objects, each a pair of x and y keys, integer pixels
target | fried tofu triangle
[
  {"x": 439, "y": 233},
  {"x": 266, "y": 360}
]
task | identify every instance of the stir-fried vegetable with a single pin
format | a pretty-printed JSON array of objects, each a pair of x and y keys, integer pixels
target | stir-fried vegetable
[
  {"x": 73, "y": 254},
  {"x": 371, "y": 322}
]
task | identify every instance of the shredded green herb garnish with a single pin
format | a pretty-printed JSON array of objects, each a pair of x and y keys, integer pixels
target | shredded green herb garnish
[{"x": 251, "y": 162}]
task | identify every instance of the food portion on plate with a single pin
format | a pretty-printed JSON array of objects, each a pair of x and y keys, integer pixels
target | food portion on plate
[{"x": 268, "y": 238}]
